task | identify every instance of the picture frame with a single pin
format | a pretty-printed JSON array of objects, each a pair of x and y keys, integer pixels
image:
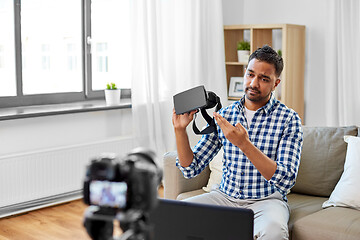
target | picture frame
[{"x": 236, "y": 87}]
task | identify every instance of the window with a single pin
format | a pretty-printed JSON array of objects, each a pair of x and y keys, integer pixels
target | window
[
  {"x": 45, "y": 57},
  {"x": 7, "y": 53},
  {"x": 44, "y": 41},
  {"x": 111, "y": 59},
  {"x": 101, "y": 58},
  {"x": 70, "y": 56},
  {"x": 1, "y": 57}
]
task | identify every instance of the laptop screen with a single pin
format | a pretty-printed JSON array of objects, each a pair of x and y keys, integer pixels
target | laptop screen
[{"x": 178, "y": 220}]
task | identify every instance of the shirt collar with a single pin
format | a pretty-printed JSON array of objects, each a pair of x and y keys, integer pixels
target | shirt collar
[{"x": 267, "y": 108}]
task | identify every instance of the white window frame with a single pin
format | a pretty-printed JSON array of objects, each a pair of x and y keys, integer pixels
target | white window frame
[{"x": 85, "y": 63}]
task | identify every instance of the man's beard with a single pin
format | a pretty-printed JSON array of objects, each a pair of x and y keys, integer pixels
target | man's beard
[{"x": 258, "y": 97}]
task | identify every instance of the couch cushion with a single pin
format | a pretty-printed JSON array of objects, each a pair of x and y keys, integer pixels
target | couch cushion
[
  {"x": 303, "y": 205},
  {"x": 322, "y": 159},
  {"x": 190, "y": 194},
  {"x": 216, "y": 168},
  {"x": 331, "y": 223}
]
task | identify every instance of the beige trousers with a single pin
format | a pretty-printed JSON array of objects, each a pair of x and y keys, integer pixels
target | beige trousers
[{"x": 271, "y": 214}]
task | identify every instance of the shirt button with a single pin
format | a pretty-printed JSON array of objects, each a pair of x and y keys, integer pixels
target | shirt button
[
  {"x": 242, "y": 173},
  {"x": 240, "y": 191}
]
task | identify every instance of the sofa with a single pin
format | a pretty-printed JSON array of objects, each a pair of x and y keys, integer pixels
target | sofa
[{"x": 324, "y": 202}]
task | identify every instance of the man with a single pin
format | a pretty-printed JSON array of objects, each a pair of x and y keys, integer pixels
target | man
[{"x": 262, "y": 141}]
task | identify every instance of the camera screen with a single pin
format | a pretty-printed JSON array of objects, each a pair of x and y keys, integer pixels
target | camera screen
[{"x": 108, "y": 194}]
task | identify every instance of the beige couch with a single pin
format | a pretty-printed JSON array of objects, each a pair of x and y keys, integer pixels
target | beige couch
[{"x": 321, "y": 166}]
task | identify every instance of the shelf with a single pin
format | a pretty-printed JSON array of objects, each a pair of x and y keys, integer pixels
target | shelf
[
  {"x": 291, "y": 89},
  {"x": 261, "y": 26},
  {"x": 234, "y": 98},
  {"x": 236, "y": 63}
]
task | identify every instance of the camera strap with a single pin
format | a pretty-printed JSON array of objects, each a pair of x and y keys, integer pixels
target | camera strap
[{"x": 213, "y": 101}]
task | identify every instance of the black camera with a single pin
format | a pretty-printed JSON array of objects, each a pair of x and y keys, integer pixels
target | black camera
[
  {"x": 198, "y": 98},
  {"x": 123, "y": 189}
]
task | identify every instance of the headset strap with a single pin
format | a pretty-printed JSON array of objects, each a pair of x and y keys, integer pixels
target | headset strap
[{"x": 210, "y": 120}]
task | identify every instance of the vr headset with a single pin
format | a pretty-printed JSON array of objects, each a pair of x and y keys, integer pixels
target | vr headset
[{"x": 198, "y": 98}]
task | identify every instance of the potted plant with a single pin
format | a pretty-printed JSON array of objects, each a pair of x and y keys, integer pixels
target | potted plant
[
  {"x": 243, "y": 48},
  {"x": 112, "y": 94}
]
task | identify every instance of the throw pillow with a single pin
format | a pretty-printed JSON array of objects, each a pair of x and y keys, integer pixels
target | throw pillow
[
  {"x": 347, "y": 191},
  {"x": 322, "y": 159},
  {"x": 215, "y": 172}
]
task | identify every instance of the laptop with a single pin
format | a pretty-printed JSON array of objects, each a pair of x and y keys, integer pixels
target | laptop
[{"x": 179, "y": 220}]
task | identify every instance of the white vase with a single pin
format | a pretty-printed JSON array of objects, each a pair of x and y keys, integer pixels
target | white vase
[
  {"x": 112, "y": 96},
  {"x": 243, "y": 56}
]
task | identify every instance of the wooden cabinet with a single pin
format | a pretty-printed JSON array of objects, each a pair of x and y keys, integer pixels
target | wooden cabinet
[{"x": 292, "y": 44}]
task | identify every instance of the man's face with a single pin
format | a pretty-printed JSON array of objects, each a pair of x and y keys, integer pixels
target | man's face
[{"x": 259, "y": 81}]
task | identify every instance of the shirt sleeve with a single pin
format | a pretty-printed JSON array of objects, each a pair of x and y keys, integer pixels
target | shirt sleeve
[
  {"x": 288, "y": 156},
  {"x": 204, "y": 151}
]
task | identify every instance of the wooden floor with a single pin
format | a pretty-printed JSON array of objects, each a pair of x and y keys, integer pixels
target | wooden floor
[{"x": 57, "y": 222}]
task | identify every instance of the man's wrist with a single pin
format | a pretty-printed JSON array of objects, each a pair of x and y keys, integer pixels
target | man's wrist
[
  {"x": 180, "y": 130},
  {"x": 245, "y": 146}
]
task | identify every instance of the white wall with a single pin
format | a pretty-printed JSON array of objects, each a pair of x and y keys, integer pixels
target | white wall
[
  {"x": 233, "y": 12},
  {"x": 31, "y": 134},
  {"x": 310, "y": 13}
]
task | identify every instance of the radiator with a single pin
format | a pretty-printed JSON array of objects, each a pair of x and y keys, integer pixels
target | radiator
[{"x": 40, "y": 178}]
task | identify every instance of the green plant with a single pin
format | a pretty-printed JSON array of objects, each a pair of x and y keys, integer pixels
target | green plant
[
  {"x": 243, "y": 45},
  {"x": 279, "y": 52},
  {"x": 111, "y": 86}
]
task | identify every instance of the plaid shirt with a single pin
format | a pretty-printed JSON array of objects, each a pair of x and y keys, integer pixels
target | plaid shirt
[{"x": 275, "y": 130}]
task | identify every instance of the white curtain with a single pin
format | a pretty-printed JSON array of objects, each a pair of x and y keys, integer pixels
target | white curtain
[
  {"x": 342, "y": 83},
  {"x": 176, "y": 45}
]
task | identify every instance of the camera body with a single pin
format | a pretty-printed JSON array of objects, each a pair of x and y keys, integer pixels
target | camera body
[{"x": 115, "y": 184}]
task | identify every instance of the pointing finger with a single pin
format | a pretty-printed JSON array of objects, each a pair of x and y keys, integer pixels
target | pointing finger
[
  {"x": 221, "y": 121},
  {"x": 218, "y": 118},
  {"x": 239, "y": 126}
]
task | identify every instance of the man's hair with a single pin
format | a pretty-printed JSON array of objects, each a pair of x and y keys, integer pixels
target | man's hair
[{"x": 269, "y": 55}]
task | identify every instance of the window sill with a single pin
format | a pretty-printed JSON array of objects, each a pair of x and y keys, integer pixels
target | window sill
[{"x": 57, "y": 109}]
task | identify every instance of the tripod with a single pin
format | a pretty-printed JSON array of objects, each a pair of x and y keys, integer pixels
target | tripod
[{"x": 135, "y": 225}]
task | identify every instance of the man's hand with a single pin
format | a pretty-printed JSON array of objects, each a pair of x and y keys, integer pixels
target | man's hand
[
  {"x": 181, "y": 121},
  {"x": 239, "y": 137},
  {"x": 236, "y": 135}
]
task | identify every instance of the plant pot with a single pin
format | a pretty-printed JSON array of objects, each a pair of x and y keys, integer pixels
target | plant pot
[
  {"x": 112, "y": 96},
  {"x": 243, "y": 56}
]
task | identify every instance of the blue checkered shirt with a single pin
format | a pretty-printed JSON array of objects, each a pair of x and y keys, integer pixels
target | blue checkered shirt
[{"x": 275, "y": 130}]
